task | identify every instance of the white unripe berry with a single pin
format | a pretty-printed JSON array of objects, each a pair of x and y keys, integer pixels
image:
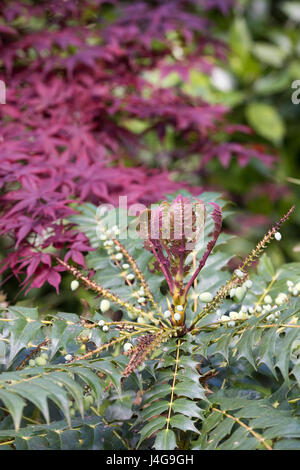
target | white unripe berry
[
  {"x": 290, "y": 283},
  {"x": 179, "y": 308},
  {"x": 141, "y": 300},
  {"x": 177, "y": 316},
  {"x": 278, "y": 236},
  {"x": 239, "y": 273},
  {"x": 125, "y": 266},
  {"x": 127, "y": 347},
  {"x": 281, "y": 298},
  {"x": 258, "y": 308},
  {"x": 233, "y": 315},
  {"x": 244, "y": 308},
  {"x": 101, "y": 322},
  {"x": 240, "y": 293},
  {"x": 251, "y": 310},
  {"x": 248, "y": 284},
  {"x": 232, "y": 292},
  {"x": 243, "y": 315},
  {"x": 130, "y": 277},
  {"x": 297, "y": 286},
  {"x": 74, "y": 285},
  {"x": 295, "y": 292},
  {"x": 105, "y": 328},
  {"x": 119, "y": 256},
  {"x": 277, "y": 313},
  {"x": 231, "y": 323},
  {"x": 167, "y": 314},
  {"x": 205, "y": 297},
  {"x": 268, "y": 299},
  {"x": 271, "y": 317},
  {"x": 68, "y": 357},
  {"x": 104, "y": 305},
  {"x": 267, "y": 307},
  {"x": 224, "y": 318},
  {"x": 142, "y": 320}
]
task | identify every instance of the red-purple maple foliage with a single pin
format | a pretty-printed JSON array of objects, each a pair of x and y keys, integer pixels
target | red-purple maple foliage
[{"x": 75, "y": 74}]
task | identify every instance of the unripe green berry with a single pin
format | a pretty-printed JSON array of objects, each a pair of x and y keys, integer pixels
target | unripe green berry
[
  {"x": 40, "y": 361},
  {"x": 132, "y": 315},
  {"x": 86, "y": 403},
  {"x": 143, "y": 320}
]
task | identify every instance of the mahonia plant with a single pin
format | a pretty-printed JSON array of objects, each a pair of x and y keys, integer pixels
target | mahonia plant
[{"x": 178, "y": 353}]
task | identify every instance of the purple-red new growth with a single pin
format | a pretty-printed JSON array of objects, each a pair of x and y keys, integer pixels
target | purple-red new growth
[{"x": 171, "y": 233}]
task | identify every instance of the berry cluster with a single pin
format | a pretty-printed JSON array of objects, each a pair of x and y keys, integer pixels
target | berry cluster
[
  {"x": 41, "y": 360},
  {"x": 270, "y": 306}
]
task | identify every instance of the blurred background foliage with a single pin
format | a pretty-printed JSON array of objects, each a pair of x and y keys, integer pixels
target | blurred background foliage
[
  {"x": 262, "y": 39},
  {"x": 255, "y": 82}
]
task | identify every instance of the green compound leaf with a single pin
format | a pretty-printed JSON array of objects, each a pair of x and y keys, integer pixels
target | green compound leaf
[{"x": 165, "y": 440}]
